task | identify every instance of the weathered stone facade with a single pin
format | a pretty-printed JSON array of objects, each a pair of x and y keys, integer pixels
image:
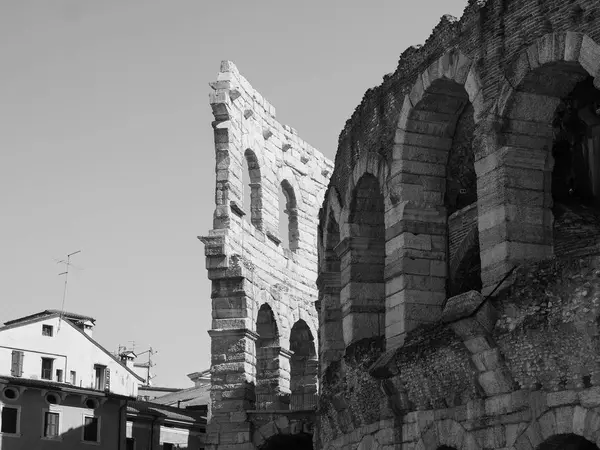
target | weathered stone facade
[
  {"x": 459, "y": 276},
  {"x": 265, "y": 326}
]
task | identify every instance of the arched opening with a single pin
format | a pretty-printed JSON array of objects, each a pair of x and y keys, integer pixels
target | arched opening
[
  {"x": 445, "y": 447},
  {"x": 568, "y": 441},
  {"x": 363, "y": 264},
  {"x": 437, "y": 222},
  {"x": 331, "y": 336},
  {"x": 460, "y": 200},
  {"x": 539, "y": 118},
  {"x": 303, "y": 368},
  {"x": 252, "y": 191},
  {"x": 300, "y": 441},
  {"x": 288, "y": 216},
  {"x": 576, "y": 174},
  {"x": 268, "y": 353}
]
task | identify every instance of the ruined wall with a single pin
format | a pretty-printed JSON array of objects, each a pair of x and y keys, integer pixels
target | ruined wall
[
  {"x": 508, "y": 372},
  {"x": 260, "y": 289},
  {"x": 468, "y": 371}
]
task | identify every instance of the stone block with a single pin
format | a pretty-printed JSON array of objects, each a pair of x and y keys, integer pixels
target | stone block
[
  {"x": 564, "y": 419},
  {"x": 495, "y": 382},
  {"x": 562, "y": 398},
  {"x": 590, "y": 398},
  {"x": 547, "y": 424}
]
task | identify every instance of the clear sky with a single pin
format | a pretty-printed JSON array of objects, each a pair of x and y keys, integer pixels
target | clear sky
[{"x": 107, "y": 145}]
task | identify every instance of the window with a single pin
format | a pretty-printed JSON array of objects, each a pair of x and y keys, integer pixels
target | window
[
  {"x": 47, "y": 330},
  {"x": 47, "y": 364},
  {"x": 59, "y": 375},
  {"x": 90, "y": 429},
  {"x": 101, "y": 381},
  {"x": 73, "y": 377},
  {"x": 16, "y": 368},
  {"x": 51, "y": 424},
  {"x": 9, "y": 421},
  {"x": 130, "y": 444}
]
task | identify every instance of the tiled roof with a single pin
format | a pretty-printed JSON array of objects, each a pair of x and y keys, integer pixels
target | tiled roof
[
  {"x": 50, "y": 312},
  {"x": 194, "y": 396},
  {"x": 165, "y": 412}
]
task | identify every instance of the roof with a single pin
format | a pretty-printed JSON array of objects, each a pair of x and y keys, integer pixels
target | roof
[
  {"x": 42, "y": 316},
  {"x": 194, "y": 396},
  {"x": 165, "y": 412},
  {"x": 61, "y": 387},
  {"x": 50, "y": 312}
]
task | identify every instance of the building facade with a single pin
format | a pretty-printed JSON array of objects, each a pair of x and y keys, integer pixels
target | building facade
[
  {"x": 459, "y": 268},
  {"x": 59, "y": 387},
  {"x": 59, "y": 347},
  {"x": 264, "y": 329},
  {"x": 47, "y": 415}
]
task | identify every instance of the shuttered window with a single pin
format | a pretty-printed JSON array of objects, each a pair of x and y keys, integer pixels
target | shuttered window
[
  {"x": 51, "y": 421},
  {"x": 16, "y": 369}
]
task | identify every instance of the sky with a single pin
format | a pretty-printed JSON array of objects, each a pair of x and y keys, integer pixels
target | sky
[{"x": 107, "y": 146}]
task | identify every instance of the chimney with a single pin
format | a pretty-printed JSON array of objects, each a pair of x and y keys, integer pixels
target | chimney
[{"x": 127, "y": 358}]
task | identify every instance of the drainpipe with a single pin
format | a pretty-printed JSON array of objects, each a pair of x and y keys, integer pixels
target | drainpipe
[{"x": 121, "y": 409}]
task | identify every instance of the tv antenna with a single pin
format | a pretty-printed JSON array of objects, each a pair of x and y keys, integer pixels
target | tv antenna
[{"x": 68, "y": 264}]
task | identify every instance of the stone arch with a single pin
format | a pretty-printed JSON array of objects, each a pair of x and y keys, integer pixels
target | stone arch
[
  {"x": 292, "y": 194},
  {"x": 272, "y": 362},
  {"x": 256, "y": 195},
  {"x": 284, "y": 433},
  {"x": 303, "y": 367},
  {"x": 447, "y": 433},
  {"x": 362, "y": 257},
  {"x": 417, "y": 241},
  {"x": 515, "y": 177},
  {"x": 369, "y": 163},
  {"x": 561, "y": 421}
]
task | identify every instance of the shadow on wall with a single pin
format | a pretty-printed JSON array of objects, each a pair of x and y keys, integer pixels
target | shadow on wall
[{"x": 31, "y": 438}]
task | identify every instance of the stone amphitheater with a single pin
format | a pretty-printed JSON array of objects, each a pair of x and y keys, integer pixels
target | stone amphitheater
[{"x": 439, "y": 284}]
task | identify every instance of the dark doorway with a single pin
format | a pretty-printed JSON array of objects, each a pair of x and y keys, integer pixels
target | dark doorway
[
  {"x": 567, "y": 442},
  {"x": 301, "y": 441}
]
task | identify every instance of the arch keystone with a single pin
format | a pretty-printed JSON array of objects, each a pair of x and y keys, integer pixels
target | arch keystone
[{"x": 573, "y": 43}]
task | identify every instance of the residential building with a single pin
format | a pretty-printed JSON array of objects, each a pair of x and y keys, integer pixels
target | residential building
[
  {"x": 60, "y": 348},
  {"x": 159, "y": 427},
  {"x": 59, "y": 388},
  {"x": 40, "y": 414}
]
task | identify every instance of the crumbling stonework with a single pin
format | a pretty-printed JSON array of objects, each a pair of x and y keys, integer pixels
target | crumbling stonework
[
  {"x": 265, "y": 326},
  {"x": 429, "y": 337}
]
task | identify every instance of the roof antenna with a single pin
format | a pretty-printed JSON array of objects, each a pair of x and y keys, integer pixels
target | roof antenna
[{"x": 67, "y": 263}]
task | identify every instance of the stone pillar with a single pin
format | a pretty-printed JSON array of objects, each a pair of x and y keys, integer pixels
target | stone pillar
[
  {"x": 362, "y": 289},
  {"x": 331, "y": 339},
  {"x": 514, "y": 179},
  {"x": 232, "y": 386},
  {"x": 416, "y": 269},
  {"x": 273, "y": 378}
]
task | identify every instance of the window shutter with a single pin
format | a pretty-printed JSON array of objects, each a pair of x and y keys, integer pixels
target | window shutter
[
  {"x": 107, "y": 387},
  {"x": 20, "y": 365},
  {"x": 15, "y": 363},
  {"x": 16, "y": 369}
]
